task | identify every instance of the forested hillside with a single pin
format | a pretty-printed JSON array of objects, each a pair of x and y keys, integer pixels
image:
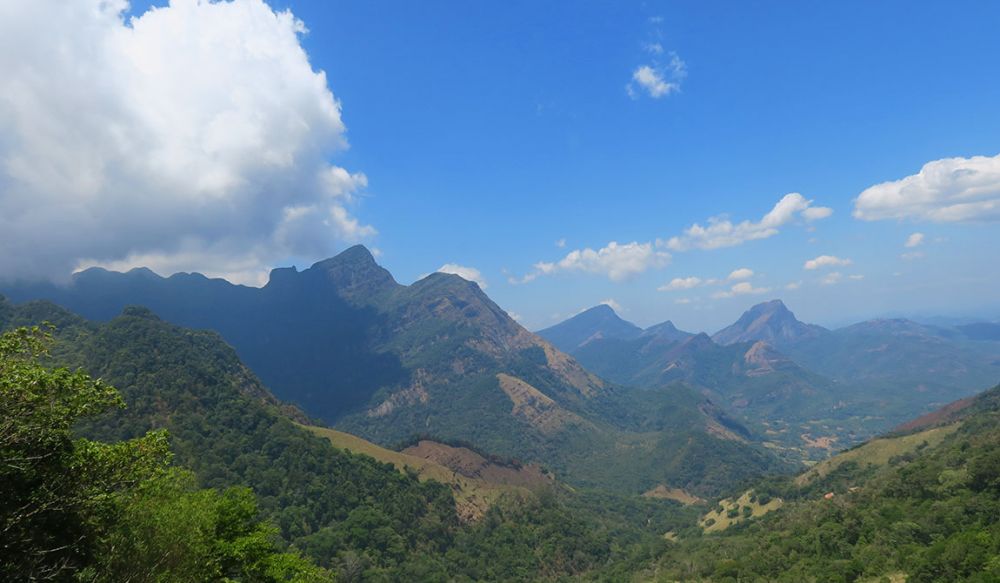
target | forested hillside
[
  {"x": 350, "y": 513},
  {"x": 920, "y": 507}
]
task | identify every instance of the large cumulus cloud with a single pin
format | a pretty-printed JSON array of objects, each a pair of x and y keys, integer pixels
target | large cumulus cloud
[
  {"x": 196, "y": 136},
  {"x": 950, "y": 190}
]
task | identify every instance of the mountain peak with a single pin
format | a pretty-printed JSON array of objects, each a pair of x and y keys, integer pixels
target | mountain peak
[
  {"x": 357, "y": 255},
  {"x": 601, "y": 321},
  {"x": 770, "y": 321},
  {"x": 775, "y": 306},
  {"x": 666, "y": 331},
  {"x": 354, "y": 273},
  {"x": 601, "y": 309}
]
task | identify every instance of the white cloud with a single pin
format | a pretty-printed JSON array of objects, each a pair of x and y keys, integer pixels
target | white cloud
[
  {"x": 679, "y": 283},
  {"x": 740, "y": 289},
  {"x": 614, "y": 261},
  {"x": 658, "y": 79},
  {"x": 469, "y": 273},
  {"x": 914, "y": 240},
  {"x": 561, "y": 243},
  {"x": 741, "y": 273},
  {"x": 721, "y": 232},
  {"x": 856, "y": 277},
  {"x": 947, "y": 191},
  {"x": 825, "y": 261},
  {"x": 653, "y": 48},
  {"x": 195, "y": 136},
  {"x": 619, "y": 262},
  {"x": 815, "y": 213},
  {"x": 832, "y": 278},
  {"x": 912, "y": 255},
  {"x": 793, "y": 285},
  {"x": 682, "y": 301}
]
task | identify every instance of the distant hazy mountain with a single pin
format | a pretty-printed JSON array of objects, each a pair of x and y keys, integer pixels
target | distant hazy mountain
[
  {"x": 666, "y": 331},
  {"x": 598, "y": 322},
  {"x": 901, "y": 359},
  {"x": 752, "y": 379},
  {"x": 770, "y": 321},
  {"x": 602, "y": 323},
  {"x": 385, "y": 361},
  {"x": 813, "y": 387},
  {"x": 981, "y": 331}
]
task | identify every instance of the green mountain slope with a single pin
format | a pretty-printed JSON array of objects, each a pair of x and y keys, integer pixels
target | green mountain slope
[
  {"x": 919, "y": 507},
  {"x": 229, "y": 430}
]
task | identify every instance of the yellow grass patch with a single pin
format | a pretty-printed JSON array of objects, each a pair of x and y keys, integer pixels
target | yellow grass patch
[
  {"x": 715, "y": 521},
  {"x": 877, "y": 452},
  {"x": 473, "y": 497}
]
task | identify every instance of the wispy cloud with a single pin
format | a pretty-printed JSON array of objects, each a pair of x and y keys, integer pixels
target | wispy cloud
[
  {"x": 721, "y": 232},
  {"x": 681, "y": 283},
  {"x": 615, "y": 261},
  {"x": 914, "y": 240},
  {"x": 620, "y": 262},
  {"x": 469, "y": 273},
  {"x": 832, "y": 278},
  {"x": 825, "y": 261},
  {"x": 662, "y": 73},
  {"x": 741, "y": 289},
  {"x": 658, "y": 79}
]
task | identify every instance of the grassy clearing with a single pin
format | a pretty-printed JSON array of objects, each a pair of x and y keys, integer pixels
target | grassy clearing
[
  {"x": 678, "y": 494},
  {"x": 878, "y": 452},
  {"x": 473, "y": 497},
  {"x": 732, "y": 512}
]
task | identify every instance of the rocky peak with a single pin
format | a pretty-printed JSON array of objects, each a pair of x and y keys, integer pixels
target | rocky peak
[{"x": 770, "y": 321}]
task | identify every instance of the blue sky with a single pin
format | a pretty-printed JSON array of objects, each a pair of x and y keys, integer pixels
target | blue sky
[{"x": 491, "y": 132}]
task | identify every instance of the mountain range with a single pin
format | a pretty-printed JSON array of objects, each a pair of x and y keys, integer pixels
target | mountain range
[
  {"x": 464, "y": 447},
  {"x": 813, "y": 390},
  {"x": 353, "y": 348}
]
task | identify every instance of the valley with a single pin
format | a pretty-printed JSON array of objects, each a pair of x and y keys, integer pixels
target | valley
[{"x": 624, "y": 452}]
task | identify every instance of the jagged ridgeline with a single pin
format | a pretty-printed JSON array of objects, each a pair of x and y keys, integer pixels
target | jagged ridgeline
[{"x": 351, "y": 346}]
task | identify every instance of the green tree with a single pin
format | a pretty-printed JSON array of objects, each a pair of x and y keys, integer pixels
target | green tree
[
  {"x": 112, "y": 511},
  {"x": 55, "y": 489}
]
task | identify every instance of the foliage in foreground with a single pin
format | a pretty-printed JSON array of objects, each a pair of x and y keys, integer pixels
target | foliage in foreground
[{"x": 99, "y": 511}]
